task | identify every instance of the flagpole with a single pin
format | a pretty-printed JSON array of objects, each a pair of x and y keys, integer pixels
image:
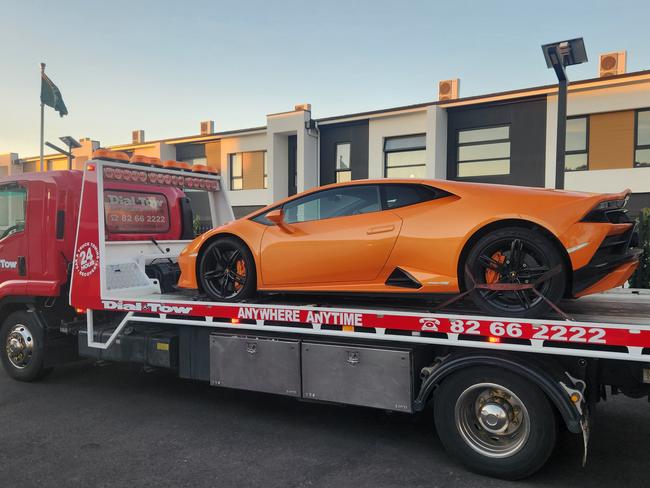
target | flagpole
[{"x": 42, "y": 118}]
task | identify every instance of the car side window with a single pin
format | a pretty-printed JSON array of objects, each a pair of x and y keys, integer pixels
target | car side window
[
  {"x": 13, "y": 202},
  {"x": 402, "y": 195},
  {"x": 336, "y": 202}
]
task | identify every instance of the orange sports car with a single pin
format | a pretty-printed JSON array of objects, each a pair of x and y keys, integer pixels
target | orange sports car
[{"x": 510, "y": 246}]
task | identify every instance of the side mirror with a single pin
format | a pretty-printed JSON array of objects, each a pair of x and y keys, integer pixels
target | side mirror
[{"x": 276, "y": 216}]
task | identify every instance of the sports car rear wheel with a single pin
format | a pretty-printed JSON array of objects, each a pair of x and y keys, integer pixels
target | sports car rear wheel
[
  {"x": 226, "y": 270},
  {"x": 515, "y": 255}
]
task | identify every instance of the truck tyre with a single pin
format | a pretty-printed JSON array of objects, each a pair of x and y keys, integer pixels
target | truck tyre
[
  {"x": 495, "y": 422},
  {"x": 23, "y": 346}
]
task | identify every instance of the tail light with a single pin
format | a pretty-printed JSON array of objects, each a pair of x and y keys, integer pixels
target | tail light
[{"x": 609, "y": 211}]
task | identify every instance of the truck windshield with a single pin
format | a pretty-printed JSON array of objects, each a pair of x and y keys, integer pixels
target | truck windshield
[{"x": 12, "y": 210}]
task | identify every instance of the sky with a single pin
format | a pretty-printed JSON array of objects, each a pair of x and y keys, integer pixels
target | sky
[{"x": 164, "y": 66}]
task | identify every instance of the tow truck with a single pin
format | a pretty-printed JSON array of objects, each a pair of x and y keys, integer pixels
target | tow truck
[{"x": 88, "y": 266}]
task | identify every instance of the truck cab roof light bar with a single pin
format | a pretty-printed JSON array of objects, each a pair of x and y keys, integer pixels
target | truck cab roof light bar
[
  {"x": 171, "y": 164},
  {"x": 107, "y": 154},
  {"x": 150, "y": 161}
]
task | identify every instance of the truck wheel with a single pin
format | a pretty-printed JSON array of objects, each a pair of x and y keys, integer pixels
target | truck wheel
[
  {"x": 23, "y": 342},
  {"x": 495, "y": 422}
]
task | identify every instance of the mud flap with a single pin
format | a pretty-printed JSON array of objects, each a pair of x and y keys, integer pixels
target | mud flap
[{"x": 585, "y": 424}]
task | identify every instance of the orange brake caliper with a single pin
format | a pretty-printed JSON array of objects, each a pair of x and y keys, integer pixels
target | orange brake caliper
[
  {"x": 492, "y": 276},
  {"x": 241, "y": 271}
]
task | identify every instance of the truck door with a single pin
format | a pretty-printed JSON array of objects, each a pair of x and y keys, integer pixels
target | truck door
[{"x": 13, "y": 245}]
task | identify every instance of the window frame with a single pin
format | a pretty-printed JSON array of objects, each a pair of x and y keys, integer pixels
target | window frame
[
  {"x": 580, "y": 151},
  {"x": 314, "y": 194},
  {"x": 410, "y": 149},
  {"x": 638, "y": 147},
  {"x": 460, "y": 145},
  {"x": 14, "y": 186},
  {"x": 232, "y": 178},
  {"x": 336, "y": 162},
  {"x": 434, "y": 192}
]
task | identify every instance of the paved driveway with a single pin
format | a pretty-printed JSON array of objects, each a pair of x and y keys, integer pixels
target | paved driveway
[{"x": 91, "y": 426}]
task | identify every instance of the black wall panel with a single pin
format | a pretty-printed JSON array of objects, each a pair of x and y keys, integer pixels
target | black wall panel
[
  {"x": 527, "y": 120},
  {"x": 356, "y": 133}
]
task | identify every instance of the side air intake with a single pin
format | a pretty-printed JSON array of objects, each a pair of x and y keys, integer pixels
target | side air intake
[{"x": 401, "y": 278}]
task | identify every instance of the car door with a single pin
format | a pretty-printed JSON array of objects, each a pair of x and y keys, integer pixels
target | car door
[
  {"x": 340, "y": 235},
  {"x": 13, "y": 245}
]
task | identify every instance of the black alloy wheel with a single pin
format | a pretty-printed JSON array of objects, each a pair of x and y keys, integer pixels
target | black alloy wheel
[
  {"x": 226, "y": 270},
  {"x": 515, "y": 256}
]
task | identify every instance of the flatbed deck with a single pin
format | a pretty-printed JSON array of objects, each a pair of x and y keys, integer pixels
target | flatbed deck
[{"x": 621, "y": 306}]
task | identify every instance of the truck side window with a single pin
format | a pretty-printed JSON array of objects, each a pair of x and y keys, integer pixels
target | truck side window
[{"x": 13, "y": 201}]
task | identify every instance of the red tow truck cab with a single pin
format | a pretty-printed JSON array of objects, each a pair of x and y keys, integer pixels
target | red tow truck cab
[
  {"x": 38, "y": 221},
  {"x": 38, "y": 224}
]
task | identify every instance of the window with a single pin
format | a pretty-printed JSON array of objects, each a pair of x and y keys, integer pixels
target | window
[
  {"x": 248, "y": 170},
  {"x": 405, "y": 156},
  {"x": 395, "y": 196},
  {"x": 337, "y": 202},
  {"x": 12, "y": 210},
  {"x": 642, "y": 139},
  {"x": 129, "y": 212},
  {"x": 484, "y": 151},
  {"x": 577, "y": 155},
  {"x": 191, "y": 153},
  {"x": 193, "y": 161},
  {"x": 343, "y": 168}
]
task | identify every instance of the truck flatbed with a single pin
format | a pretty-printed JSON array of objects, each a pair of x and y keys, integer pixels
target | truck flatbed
[{"x": 621, "y": 306}]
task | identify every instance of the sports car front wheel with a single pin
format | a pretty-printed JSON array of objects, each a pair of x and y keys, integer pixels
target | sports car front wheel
[
  {"x": 515, "y": 255},
  {"x": 226, "y": 270}
]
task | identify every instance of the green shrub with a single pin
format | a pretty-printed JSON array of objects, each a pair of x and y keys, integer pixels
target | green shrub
[{"x": 641, "y": 277}]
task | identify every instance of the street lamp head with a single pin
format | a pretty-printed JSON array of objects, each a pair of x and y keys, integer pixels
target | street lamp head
[
  {"x": 70, "y": 141},
  {"x": 565, "y": 53}
]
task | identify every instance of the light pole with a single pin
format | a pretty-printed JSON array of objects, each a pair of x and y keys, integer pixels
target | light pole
[
  {"x": 69, "y": 141},
  {"x": 558, "y": 56},
  {"x": 72, "y": 143}
]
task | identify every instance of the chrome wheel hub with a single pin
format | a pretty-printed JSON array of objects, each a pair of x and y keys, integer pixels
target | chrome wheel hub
[
  {"x": 495, "y": 416},
  {"x": 492, "y": 420},
  {"x": 20, "y": 346}
]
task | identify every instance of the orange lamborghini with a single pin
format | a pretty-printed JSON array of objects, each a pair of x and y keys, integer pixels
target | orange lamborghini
[{"x": 508, "y": 245}]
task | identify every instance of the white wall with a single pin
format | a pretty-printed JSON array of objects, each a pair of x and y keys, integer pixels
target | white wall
[
  {"x": 609, "y": 180},
  {"x": 8, "y": 165},
  {"x": 230, "y": 145},
  {"x": 598, "y": 100},
  {"x": 278, "y": 128},
  {"x": 390, "y": 126},
  {"x": 436, "y": 142}
]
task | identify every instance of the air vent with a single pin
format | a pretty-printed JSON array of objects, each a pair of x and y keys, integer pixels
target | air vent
[
  {"x": 612, "y": 64},
  {"x": 402, "y": 279},
  {"x": 303, "y": 107},
  {"x": 137, "y": 136},
  {"x": 207, "y": 127},
  {"x": 448, "y": 89}
]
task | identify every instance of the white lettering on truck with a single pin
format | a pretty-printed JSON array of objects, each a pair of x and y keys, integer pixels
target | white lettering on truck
[
  {"x": 146, "y": 307},
  {"x": 293, "y": 315},
  {"x": 4, "y": 264}
]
